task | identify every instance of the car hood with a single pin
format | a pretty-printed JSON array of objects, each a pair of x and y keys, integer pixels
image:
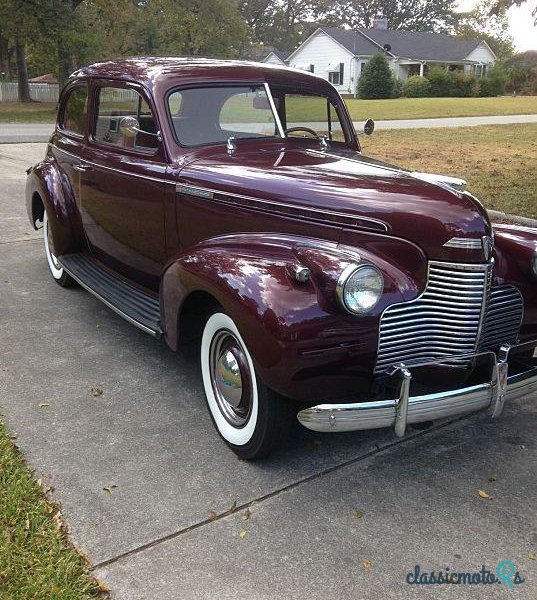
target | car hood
[{"x": 347, "y": 185}]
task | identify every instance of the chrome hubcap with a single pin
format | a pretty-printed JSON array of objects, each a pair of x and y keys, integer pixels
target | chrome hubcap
[{"x": 230, "y": 378}]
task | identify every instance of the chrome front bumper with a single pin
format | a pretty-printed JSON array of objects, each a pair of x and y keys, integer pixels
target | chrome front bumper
[{"x": 406, "y": 409}]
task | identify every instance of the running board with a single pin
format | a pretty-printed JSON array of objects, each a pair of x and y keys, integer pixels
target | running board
[{"x": 135, "y": 306}]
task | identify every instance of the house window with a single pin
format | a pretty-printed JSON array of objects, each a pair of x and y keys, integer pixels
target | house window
[
  {"x": 480, "y": 70},
  {"x": 335, "y": 74}
]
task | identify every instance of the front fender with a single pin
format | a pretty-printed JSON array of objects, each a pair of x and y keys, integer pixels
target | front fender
[
  {"x": 48, "y": 187},
  {"x": 515, "y": 247},
  {"x": 304, "y": 344}
]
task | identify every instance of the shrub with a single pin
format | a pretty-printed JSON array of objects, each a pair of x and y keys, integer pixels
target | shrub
[
  {"x": 376, "y": 80},
  {"x": 416, "y": 87},
  {"x": 398, "y": 86},
  {"x": 494, "y": 83},
  {"x": 465, "y": 85},
  {"x": 441, "y": 82},
  {"x": 521, "y": 72}
]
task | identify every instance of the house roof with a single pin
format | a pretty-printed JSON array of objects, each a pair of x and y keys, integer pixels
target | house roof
[
  {"x": 48, "y": 78},
  {"x": 281, "y": 54},
  {"x": 421, "y": 45}
]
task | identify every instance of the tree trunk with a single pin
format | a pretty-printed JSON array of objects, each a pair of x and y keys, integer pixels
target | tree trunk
[
  {"x": 22, "y": 70},
  {"x": 65, "y": 66}
]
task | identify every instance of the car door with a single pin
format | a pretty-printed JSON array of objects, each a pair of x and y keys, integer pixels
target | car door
[{"x": 124, "y": 185}]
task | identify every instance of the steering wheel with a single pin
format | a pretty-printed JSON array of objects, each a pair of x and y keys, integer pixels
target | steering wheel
[{"x": 306, "y": 129}]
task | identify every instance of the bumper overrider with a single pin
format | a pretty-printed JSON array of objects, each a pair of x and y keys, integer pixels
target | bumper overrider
[{"x": 406, "y": 409}]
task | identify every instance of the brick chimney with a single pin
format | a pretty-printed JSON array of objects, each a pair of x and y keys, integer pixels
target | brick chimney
[{"x": 380, "y": 22}]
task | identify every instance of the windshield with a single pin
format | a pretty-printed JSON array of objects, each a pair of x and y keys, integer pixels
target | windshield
[
  {"x": 210, "y": 115},
  {"x": 303, "y": 112}
]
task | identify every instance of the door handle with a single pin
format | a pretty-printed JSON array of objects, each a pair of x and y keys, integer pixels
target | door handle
[{"x": 81, "y": 167}]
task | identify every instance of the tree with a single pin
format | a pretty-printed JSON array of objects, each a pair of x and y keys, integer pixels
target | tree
[
  {"x": 479, "y": 24},
  {"x": 501, "y": 6},
  {"x": 376, "y": 80},
  {"x": 198, "y": 27},
  {"x": 407, "y": 15}
]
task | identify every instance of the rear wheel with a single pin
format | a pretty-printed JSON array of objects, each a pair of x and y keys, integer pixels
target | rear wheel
[
  {"x": 61, "y": 277},
  {"x": 251, "y": 418}
]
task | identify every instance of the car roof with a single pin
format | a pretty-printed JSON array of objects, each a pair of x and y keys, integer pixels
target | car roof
[{"x": 149, "y": 69}]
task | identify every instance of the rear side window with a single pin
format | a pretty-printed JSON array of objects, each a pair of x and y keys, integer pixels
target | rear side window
[
  {"x": 75, "y": 110},
  {"x": 113, "y": 104}
]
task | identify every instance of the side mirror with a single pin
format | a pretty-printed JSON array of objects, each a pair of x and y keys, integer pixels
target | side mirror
[
  {"x": 129, "y": 127},
  {"x": 369, "y": 127}
]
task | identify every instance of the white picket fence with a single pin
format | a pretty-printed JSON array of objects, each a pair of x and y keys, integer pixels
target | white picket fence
[{"x": 42, "y": 92}]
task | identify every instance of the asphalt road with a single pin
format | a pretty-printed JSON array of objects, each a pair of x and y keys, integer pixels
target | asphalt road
[
  {"x": 149, "y": 434},
  {"x": 40, "y": 132}
]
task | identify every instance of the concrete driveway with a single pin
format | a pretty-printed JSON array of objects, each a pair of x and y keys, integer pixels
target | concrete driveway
[{"x": 344, "y": 516}]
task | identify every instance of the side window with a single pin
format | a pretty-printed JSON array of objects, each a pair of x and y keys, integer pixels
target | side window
[
  {"x": 75, "y": 110},
  {"x": 115, "y": 103}
]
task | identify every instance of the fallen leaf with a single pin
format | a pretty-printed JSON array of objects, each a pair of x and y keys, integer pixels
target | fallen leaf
[
  {"x": 531, "y": 556},
  {"x": 233, "y": 506},
  {"x": 109, "y": 488},
  {"x": 358, "y": 514},
  {"x": 27, "y": 524},
  {"x": 367, "y": 564},
  {"x": 212, "y": 515},
  {"x": 492, "y": 478},
  {"x": 43, "y": 404},
  {"x": 39, "y": 482},
  {"x": 242, "y": 534},
  {"x": 103, "y": 588},
  {"x": 484, "y": 495},
  {"x": 247, "y": 514},
  {"x": 96, "y": 391}
]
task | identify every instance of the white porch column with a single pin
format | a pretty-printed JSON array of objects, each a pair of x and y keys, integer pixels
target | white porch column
[{"x": 422, "y": 65}]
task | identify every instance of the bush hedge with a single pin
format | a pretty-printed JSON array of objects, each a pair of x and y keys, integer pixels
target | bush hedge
[{"x": 416, "y": 87}]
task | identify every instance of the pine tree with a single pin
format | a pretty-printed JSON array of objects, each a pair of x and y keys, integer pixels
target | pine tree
[{"x": 376, "y": 80}]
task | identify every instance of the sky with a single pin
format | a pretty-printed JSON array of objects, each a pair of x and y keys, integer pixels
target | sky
[{"x": 521, "y": 27}]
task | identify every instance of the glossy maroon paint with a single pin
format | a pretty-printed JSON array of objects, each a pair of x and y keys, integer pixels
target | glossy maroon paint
[{"x": 275, "y": 204}]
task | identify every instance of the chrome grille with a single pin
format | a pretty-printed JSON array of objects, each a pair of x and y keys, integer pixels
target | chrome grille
[
  {"x": 445, "y": 320},
  {"x": 503, "y": 317}
]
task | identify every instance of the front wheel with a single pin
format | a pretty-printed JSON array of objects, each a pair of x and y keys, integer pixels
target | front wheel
[
  {"x": 251, "y": 418},
  {"x": 59, "y": 274}
]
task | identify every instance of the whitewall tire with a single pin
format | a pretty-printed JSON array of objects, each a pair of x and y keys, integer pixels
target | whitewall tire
[
  {"x": 250, "y": 418},
  {"x": 56, "y": 270}
]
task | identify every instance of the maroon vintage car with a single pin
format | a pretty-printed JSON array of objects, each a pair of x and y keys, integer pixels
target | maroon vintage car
[{"x": 231, "y": 201}]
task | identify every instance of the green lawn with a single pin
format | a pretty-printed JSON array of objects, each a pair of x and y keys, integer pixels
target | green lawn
[
  {"x": 36, "y": 559},
  {"x": 34, "y": 112},
  {"x": 428, "y": 108},
  {"x": 498, "y": 161}
]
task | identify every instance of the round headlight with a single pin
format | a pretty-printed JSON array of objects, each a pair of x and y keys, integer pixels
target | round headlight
[{"x": 360, "y": 288}]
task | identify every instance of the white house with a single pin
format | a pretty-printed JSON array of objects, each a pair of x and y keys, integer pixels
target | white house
[
  {"x": 340, "y": 54},
  {"x": 275, "y": 57}
]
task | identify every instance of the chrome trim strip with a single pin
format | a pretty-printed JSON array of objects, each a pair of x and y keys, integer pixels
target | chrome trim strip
[
  {"x": 192, "y": 190},
  {"x": 468, "y": 243},
  {"x": 123, "y": 172},
  {"x": 156, "y": 334},
  {"x": 272, "y": 206},
  {"x": 428, "y": 407},
  {"x": 274, "y": 111}
]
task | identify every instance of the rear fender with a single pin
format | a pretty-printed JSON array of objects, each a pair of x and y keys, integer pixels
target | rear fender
[{"x": 47, "y": 187}]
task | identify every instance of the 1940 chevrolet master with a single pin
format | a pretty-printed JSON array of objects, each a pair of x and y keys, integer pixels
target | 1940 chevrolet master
[{"x": 231, "y": 200}]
